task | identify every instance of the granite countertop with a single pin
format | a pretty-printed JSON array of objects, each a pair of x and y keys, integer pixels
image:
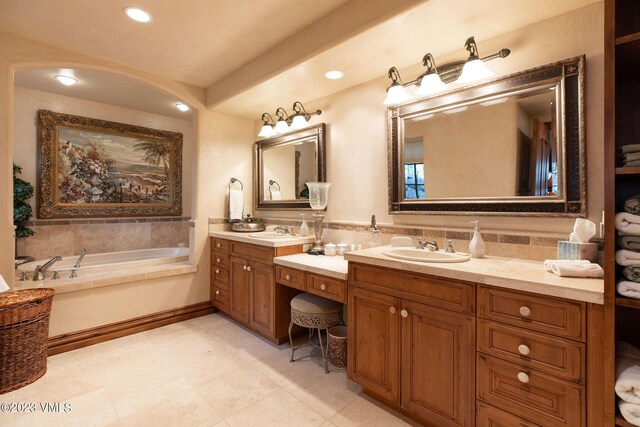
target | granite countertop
[
  {"x": 516, "y": 274},
  {"x": 273, "y": 243},
  {"x": 331, "y": 266}
]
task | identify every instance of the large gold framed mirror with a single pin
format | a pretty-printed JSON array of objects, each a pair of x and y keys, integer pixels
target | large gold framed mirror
[
  {"x": 511, "y": 146},
  {"x": 284, "y": 164}
]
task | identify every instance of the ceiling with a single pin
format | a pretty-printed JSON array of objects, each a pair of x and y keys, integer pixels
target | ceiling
[{"x": 265, "y": 53}]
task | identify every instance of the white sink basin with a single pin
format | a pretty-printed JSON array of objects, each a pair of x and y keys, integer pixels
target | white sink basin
[
  {"x": 270, "y": 235},
  {"x": 424, "y": 255}
]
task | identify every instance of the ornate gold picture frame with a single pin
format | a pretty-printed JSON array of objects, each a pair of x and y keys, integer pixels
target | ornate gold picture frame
[{"x": 96, "y": 168}]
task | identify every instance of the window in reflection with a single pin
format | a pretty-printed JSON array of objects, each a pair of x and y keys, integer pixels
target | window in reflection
[{"x": 414, "y": 180}]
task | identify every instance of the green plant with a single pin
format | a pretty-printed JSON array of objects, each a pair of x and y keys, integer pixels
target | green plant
[{"x": 22, "y": 191}]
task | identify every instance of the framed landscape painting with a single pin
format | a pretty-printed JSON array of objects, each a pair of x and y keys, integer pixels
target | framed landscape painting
[{"x": 96, "y": 168}]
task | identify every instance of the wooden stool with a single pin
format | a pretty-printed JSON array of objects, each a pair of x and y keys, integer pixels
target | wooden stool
[{"x": 314, "y": 312}]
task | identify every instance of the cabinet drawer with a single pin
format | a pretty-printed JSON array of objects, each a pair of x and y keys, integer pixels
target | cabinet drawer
[
  {"x": 219, "y": 260},
  {"x": 220, "y": 298},
  {"x": 220, "y": 277},
  {"x": 333, "y": 289},
  {"x": 545, "y": 314},
  {"x": 219, "y": 245},
  {"x": 290, "y": 277},
  {"x": 552, "y": 355},
  {"x": 488, "y": 416},
  {"x": 253, "y": 252},
  {"x": 529, "y": 394}
]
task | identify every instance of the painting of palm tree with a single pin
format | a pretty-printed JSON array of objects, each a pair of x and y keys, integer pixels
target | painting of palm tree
[{"x": 106, "y": 166}]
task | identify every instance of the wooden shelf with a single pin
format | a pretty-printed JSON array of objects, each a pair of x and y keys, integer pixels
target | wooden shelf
[
  {"x": 620, "y": 421},
  {"x": 628, "y": 170},
  {"x": 630, "y": 38},
  {"x": 627, "y": 302}
]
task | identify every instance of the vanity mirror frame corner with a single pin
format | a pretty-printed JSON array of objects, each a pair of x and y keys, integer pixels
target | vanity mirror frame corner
[
  {"x": 568, "y": 77},
  {"x": 316, "y": 133}
]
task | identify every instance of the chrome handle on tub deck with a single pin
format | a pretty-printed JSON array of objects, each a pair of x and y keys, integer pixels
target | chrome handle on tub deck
[
  {"x": 73, "y": 274},
  {"x": 83, "y": 252}
]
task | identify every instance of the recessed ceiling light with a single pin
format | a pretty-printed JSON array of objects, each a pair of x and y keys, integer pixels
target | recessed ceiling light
[
  {"x": 334, "y": 74},
  {"x": 182, "y": 107},
  {"x": 138, "y": 14},
  {"x": 66, "y": 80}
]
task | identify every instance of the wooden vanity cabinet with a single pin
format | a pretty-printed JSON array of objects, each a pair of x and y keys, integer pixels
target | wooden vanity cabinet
[
  {"x": 243, "y": 286},
  {"x": 406, "y": 350}
]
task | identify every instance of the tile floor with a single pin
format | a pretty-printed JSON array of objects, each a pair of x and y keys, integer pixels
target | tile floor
[{"x": 203, "y": 372}]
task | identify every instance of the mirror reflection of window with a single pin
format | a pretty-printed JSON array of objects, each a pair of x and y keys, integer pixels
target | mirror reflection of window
[{"x": 414, "y": 181}]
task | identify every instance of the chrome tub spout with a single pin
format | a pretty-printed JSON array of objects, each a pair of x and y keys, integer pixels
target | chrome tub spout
[
  {"x": 41, "y": 270},
  {"x": 83, "y": 252}
]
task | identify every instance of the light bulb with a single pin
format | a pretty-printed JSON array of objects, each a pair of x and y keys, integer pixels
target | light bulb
[
  {"x": 396, "y": 94},
  {"x": 182, "y": 107},
  {"x": 430, "y": 84},
  {"x": 138, "y": 14},
  {"x": 473, "y": 70},
  {"x": 298, "y": 122},
  {"x": 66, "y": 80},
  {"x": 282, "y": 126},
  {"x": 267, "y": 131}
]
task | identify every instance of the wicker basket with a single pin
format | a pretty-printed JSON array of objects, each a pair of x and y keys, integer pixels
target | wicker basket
[{"x": 24, "y": 331}]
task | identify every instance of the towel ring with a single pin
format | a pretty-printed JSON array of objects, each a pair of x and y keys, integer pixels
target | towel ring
[
  {"x": 272, "y": 182},
  {"x": 234, "y": 180}
]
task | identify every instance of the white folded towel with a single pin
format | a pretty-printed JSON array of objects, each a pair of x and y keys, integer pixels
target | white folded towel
[
  {"x": 549, "y": 262},
  {"x": 626, "y": 257},
  {"x": 236, "y": 204},
  {"x": 630, "y": 412},
  {"x": 629, "y": 157},
  {"x": 624, "y": 349},
  {"x": 628, "y": 379},
  {"x": 628, "y": 289},
  {"x": 276, "y": 195},
  {"x": 631, "y": 148},
  {"x": 3, "y": 285},
  {"x": 627, "y": 223},
  {"x": 578, "y": 270}
]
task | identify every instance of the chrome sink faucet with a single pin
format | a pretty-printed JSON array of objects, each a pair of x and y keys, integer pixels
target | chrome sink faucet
[
  {"x": 432, "y": 245},
  {"x": 449, "y": 245},
  {"x": 41, "y": 270},
  {"x": 83, "y": 252}
]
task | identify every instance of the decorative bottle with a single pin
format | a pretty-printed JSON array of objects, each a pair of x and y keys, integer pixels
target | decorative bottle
[
  {"x": 476, "y": 246},
  {"x": 304, "y": 228}
]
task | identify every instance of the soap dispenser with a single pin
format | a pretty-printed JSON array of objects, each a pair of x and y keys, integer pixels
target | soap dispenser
[
  {"x": 304, "y": 228},
  {"x": 374, "y": 231},
  {"x": 476, "y": 246}
]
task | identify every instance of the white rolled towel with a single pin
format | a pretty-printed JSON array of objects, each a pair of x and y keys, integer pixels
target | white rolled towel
[
  {"x": 628, "y": 289},
  {"x": 630, "y": 412},
  {"x": 578, "y": 270},
  {"x": 236, "y": 203},
  {"x": 276, "y": 195},
  {"x": 549, "y": 262},
  {"x": 628, "y": 379},
  {"x": 624, "y": 349},
  {"x": 626, "y": 257},
  {"x": 627, "y": 223}
]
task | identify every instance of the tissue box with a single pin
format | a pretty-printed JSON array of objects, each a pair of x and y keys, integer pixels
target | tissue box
[{"x": 573, "y": 250}]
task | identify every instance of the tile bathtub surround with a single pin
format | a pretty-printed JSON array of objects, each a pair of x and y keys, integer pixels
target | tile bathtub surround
[
  {"x": 204, "y": 371},
  {"x": 67, "y": 237},
  {"x": 509, "y": 245}
]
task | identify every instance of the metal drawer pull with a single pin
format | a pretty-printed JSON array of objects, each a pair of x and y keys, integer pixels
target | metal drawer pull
[
  {"x": 525, "y": 311},
  {"x": 217, "y": 271},
  {"x": 392, "y": 310},
  {"x": 244, "y": 267},
  {"x": 404, "y": 313},
  {"x": 523, "y": 350},
  {"x": 217, "y": 292},
  {"x": 217, "y": 259},
  {"x": 323, "y": 287},
  {"x": 218, "y": 245},
  {"x": 248, "y": 268},
  {"x": 523, "y": 378},
  {"x": 288, "y": 277}
]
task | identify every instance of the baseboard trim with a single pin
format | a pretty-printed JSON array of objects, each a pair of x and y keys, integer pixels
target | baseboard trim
[{"x": 87, "y": 337}]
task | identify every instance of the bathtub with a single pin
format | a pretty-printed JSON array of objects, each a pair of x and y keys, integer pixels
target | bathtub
[{"x": 111, "y": 261}]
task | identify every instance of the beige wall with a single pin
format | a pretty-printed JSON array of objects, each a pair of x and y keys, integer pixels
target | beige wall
[
  {"x": 223, "y": 147},
  {"x": 357, "y": 123}
]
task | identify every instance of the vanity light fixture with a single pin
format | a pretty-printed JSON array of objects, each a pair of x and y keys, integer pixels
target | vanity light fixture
[
  {"x": 434, "y": 79},
  {"x": 66, "y": 80},
  {"x": 286, "y": 123},
  {"x": 182, "y": 107},
  {"x": 138, "y": 14}
]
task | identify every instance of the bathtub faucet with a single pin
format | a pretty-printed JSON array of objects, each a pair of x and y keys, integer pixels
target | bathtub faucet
[
  {"x": 83, "y": 252},
  {"x": 41, "y": 270}
]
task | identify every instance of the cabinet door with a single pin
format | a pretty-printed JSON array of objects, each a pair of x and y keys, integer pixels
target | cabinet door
[
  {"x": 437, "y": 364},
  {"x": 262, "y": 294},
  {"x": 374, "y": 342},
  {"x": 240, "y": 290}
]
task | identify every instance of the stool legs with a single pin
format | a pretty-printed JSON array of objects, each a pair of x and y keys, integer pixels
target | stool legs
[
  {"x": 291, "y": 341},
  {"x": 324, "y": 350}
]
